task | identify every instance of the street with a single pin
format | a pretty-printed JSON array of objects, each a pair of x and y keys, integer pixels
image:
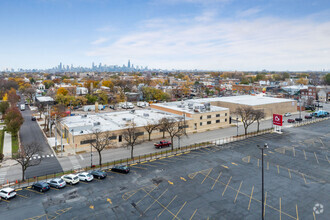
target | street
[{"x": 30, "y": 133}]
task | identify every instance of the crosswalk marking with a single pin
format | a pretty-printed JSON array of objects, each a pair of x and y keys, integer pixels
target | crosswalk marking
[
  {"x": 3, "y": 174},
  {"x": 75, "y": 162}
]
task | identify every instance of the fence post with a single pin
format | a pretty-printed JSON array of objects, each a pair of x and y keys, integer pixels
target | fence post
[{"x": 127, "y": 161}]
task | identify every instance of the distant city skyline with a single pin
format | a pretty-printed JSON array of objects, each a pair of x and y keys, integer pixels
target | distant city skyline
[{"x": 238, "y": 35}]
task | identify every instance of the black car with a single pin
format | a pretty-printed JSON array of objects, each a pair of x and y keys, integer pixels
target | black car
[
  {"x": 41, "y": 186},
  {"x": 33, "y": 118},
  {"x": 298, "y": 119},
  {"x": 120, "y": 169},
  {"x": 99, "y": 174},
  {"x": 310, "y": 107}
]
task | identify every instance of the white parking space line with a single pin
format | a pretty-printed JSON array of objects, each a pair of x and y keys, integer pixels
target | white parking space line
[{"x": 81, "y": 157}]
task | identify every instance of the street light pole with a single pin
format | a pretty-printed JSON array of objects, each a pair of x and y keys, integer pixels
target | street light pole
[
  {"x": 262, "y": 180},
  {"x": 237, "y": 125},
  {"x": 91, "y": 157}
]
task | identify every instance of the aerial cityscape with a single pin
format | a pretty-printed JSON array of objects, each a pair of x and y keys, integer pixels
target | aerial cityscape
[{"x": 164, "y": 109}]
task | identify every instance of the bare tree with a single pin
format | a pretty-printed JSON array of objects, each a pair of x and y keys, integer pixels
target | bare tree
[
  {"x": 131, "y": 137},
  {"x": 25, "y": 156},
  {"x": 150, "y": 127},
  {"x": 259, "y": 114},
  {"x": 41, "y": 109},
  {"x": 162, "y": 125},
  {"x": 99, "y": 142},
  {"x": 175, "y": 129},
  {"x": 247, "y": 115},
  {"x": 30, "y": 92}
]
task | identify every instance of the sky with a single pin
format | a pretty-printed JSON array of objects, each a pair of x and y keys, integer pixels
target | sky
[{"x": 220, "y": 35}]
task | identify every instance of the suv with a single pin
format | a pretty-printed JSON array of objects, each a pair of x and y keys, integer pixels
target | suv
[
  {"x": 70, "y": 178},
  {"x": 288, "y": 114},
  {"x": 7, "y": 193},
  {"x": 298, "y": 119},
  {"x": 120, "y": 169},
  {"x": 84, "y": 176},
  {"x": 41, "y": 186}
]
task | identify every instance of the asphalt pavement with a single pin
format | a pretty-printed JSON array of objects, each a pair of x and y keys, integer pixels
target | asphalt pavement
[
  {"x": 30, "y": 132},
  {"x": 218, "y": 182}
]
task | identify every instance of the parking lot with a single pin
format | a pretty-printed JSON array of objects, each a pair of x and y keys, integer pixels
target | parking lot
[{"x": 209, "y": 183}]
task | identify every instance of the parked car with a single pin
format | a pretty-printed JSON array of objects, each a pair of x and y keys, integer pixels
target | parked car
[
  {"x": 84, "y": 176},
  {"x": 120, "y": 169},
  {"x": 298, "y": 119},
  {"x": 99, "y": 174},
  {"x": 57, "y": 183},
  {"x": 290, "y": 120},
  {"x": 310, "y": 107},
  {"x": 308, "y": 116},
  {"x": 71, "y": 179},
  {"x": 7, "y": 193},
  {"x": 113, "y": 107},
  {"x": 41, "y": 186},
  {"x": 288, "y": 114},
  {"x": 162, "y": 143},
  {"x": 33, "y": 118}
]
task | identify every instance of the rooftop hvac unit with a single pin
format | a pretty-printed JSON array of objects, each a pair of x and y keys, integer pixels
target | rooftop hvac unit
[
  {"x": 190, "y": 105},
  {"x": 84, "y": 116},
  {"x": 132, "y": 111},
  {"x": 124, "y": 119},
  {"x": 81, "y": 132},
  {"x": 145, "y": 114},
  {"x": 207, "y": 106},
  {"x": 96, "y": 123}
]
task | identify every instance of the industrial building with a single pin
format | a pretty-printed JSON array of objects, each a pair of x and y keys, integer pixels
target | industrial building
[
  {"x": 268, "y": 104},
  {"x": 77, "y": 130}
]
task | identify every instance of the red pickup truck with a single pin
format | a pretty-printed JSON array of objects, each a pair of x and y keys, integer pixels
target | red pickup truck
[{"x": 162, "y": 144}]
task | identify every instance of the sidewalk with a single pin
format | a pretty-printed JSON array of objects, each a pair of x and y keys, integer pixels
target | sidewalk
[{"x": 7, "y": 149}]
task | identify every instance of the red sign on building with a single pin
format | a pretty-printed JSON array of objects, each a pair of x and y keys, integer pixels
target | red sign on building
[{"x": 277, "y": 119}]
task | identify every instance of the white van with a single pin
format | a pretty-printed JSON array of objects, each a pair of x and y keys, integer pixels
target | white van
[{"x": 22, "y": 107}]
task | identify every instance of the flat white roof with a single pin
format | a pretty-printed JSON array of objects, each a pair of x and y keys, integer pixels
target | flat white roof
[
  {"x": 45, "y": 99},
  {"x": 189, "y": 105},
  {"x": 247, "y": 100},
  {"x": 112, "y": 121}
]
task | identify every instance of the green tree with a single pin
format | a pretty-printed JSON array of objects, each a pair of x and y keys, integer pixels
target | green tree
[
  {"x": 3, "y": 107},
  {"x": 327, "y": 79},
  {"x": 91, "y": 99}
]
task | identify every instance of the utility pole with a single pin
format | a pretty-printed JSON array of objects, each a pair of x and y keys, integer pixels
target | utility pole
[
  {"x": 49, "y": 123},
  {"x": 237, "y": 126},
  {"x": 91, "y": 157},
  {"x": 55, "y": 134},
  {"x": 61, "y": 141}
]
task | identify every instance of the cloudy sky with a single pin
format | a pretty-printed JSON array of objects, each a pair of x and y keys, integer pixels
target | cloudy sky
[{"x": 179, "y": 34}]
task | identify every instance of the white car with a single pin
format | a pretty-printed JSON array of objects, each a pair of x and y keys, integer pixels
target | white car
[
  {"x": 7, "y": 193},
  {"x": 70, "y": 179},
  {"x": 85, "y": 177},
  {"x": 288, "y": 114}
]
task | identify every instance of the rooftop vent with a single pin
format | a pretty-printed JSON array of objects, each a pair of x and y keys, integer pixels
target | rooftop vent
[{"x": 81, "y": 132}]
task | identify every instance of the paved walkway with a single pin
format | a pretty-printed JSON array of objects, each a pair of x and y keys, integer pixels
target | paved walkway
[{"x": 7, "y": 150}]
